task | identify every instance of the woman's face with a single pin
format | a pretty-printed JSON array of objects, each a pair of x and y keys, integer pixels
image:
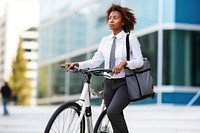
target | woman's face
[{"x": 115, "y": 22}]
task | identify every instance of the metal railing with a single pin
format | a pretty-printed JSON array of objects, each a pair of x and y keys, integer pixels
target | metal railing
[{"x": 191, "y": 102}]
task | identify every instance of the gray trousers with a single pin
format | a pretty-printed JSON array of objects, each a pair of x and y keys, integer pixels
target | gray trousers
[{"x": 116, "y": 99}]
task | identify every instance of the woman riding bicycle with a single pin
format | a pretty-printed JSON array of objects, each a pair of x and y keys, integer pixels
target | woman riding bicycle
[{"x": 121, "y": 21}]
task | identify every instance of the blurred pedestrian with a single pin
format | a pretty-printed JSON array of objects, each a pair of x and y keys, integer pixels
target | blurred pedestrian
[{"x": 5, "y": 92}]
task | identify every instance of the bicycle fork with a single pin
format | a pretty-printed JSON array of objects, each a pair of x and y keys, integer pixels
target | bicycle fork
[{"x": 85, "y": 104}]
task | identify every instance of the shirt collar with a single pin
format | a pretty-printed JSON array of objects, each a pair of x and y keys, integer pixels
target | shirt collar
[{"x": 119, "y": 35}]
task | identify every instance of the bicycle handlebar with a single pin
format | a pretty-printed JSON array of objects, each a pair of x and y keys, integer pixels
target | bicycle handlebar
[{"x": 95, "y": 71}]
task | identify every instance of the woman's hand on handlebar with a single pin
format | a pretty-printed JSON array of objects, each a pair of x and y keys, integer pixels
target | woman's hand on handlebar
[
  {"x": 117, "y": 69},
  {"x": 69, "y": 66}
]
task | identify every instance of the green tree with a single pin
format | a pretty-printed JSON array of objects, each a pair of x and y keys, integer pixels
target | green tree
[{"x": 18, "y": 80}]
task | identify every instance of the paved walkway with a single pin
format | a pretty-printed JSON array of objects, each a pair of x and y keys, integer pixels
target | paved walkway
[
  {"x": 25, "y": 119},
  {"x": 140, "y": 119}
]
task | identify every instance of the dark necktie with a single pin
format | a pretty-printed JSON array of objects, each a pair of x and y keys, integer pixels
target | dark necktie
[{"x": 112, "y": 54}]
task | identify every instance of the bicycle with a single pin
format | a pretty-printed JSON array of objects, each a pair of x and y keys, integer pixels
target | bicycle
[{"x": 71, "y": 117}]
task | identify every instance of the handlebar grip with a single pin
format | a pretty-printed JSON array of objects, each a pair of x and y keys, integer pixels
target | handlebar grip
[
  {"x": 62, "y": 65},
  {"x": 109, "y": 71}
]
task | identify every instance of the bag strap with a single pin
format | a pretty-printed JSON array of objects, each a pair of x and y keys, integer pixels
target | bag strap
[{"x": 127, "y": 48}]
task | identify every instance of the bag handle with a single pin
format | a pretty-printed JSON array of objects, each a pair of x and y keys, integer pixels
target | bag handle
[{"x": 127, "y": 48}]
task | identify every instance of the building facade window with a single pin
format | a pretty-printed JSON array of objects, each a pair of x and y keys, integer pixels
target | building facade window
[
  {"x": 43, "y": 83},
  {"x": 149, "y": 49},
  {"x": 180, "y": 63}
]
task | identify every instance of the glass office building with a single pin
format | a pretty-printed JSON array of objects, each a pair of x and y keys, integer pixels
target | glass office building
[{"x": 168, "y": 30}]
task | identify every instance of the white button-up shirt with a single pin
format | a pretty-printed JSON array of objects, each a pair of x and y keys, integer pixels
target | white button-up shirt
[{"x": 103, "y": 53}]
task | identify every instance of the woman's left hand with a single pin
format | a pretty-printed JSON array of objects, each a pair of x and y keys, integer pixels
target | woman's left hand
[{"x": 117, "y": 69}]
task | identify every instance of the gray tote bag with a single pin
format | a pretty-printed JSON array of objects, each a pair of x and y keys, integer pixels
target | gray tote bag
[{"x": 139, "y": 81}]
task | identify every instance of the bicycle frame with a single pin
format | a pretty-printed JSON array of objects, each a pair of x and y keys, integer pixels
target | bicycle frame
[
  {"x": 85, "y": 103},
  {"x": 84, "y": 100}
]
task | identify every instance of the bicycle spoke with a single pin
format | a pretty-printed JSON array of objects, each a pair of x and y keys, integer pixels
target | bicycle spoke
[
  {"x": 65, "y": 121},
  {"x": 103, "y": 124}
]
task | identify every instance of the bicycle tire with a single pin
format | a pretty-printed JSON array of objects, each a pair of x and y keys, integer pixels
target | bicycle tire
[
  {"x": 103, "y": 124},
  {"x": 61, "y": 122}
]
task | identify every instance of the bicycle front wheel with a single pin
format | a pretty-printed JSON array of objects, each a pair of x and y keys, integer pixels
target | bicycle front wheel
[
  {"x": 103, "y": 124},
  {"x": 65, "y": 118}
]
